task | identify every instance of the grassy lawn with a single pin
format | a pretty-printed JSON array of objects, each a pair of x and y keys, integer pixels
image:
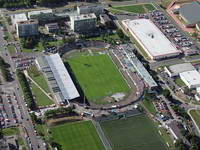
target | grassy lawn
[
  {"x": 166, "y": 136},
  {"x": 196, "y": 116},
  {"x": 179, "y": 82},
  {"x": 11, "y": 49},
  {"x": 135, "y": 8},
  {"x": 97, "y": 76},
  {"x": 39, "y": 48},
  {"x": 56, "y": 43},
  {"x": 10, "y": 131},
  {"x": 77, "y": 136},
  {"x": 149, "y": 106},
  {"x": 101, "y": 38},
  {"x": 41, "y": 98},
  {"x": 134, "y": 133},
  {"x": 115, "y": 11},
  {"x": 38, "y": 77},
  {"x": 131, "y": 8},
  {"x": 150, "y": 7}
]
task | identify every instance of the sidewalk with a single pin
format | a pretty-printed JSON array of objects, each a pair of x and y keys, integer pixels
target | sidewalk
[{"x": 26, "y": 74}]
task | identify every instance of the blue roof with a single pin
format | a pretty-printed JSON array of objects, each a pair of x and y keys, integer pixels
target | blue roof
[{"x": 191, "y": 12}]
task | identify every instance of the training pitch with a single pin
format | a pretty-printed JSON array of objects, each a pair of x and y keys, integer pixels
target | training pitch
[
  {"x": 98, "y": 76},
  {"x": 77, "y": 136},
  {"x": 134, "y": 133}
]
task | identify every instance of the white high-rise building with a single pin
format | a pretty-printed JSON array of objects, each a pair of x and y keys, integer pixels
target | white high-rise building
[
  {"x": 87, "y": 9},
  {"x": 27, "y": 28},
  {"x": 83, "y": 23}
]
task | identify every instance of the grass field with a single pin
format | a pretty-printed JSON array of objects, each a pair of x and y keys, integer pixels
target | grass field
[
  {"x": 41, "y": 98},
  {"x": 167, "y": 137},
  {"x": 149, "y": 106},
  {"x": 77, "y": 136},
  {"x": 39, "y": 48},
  {"x": 179, "y": 82},
  {"x": 135, "y": 133},
  {"x": 38, "y": 77},
  {"x": 150, "y": 7},
  {"x": 135, "y": 8},
  {"x": 10, "y": 131},
  {"x": 11, "y": 49},
  {"x": 97, "y": 76},
  {"x": 196, "y": 116}
]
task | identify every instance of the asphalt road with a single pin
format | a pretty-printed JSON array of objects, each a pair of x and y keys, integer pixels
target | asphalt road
[{"x": 26, "y": 121}]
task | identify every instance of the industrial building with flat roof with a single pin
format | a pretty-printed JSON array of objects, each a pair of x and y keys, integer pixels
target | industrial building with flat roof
[
  {"x": 87, "y": 9},
  {"x": 175, "y": 70},
  {"x": 190, "y": 13},
  {"x": 18, "y": 18},
  {"x": 36, "y": 13},
  {"x": 151, "y": 39},
  {"x": 58, "y": 78},
  {"x": 191, "y": 78}
]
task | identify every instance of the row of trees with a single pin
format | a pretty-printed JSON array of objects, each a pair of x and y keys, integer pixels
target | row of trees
[
  {"x": 27, "y": 3},
  {"x": 4, "y": 70},
  {"x": 194, "y": 142},
  {"x": 69, "y": 111},
  {"x": 122, "y": 36},
  {"x": 26, "y": 90}
]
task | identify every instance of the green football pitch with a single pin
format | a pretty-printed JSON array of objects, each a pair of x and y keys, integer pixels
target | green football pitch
[
  {"x": 97, "y": 76},
  {"x": 135, "y": 133},
  {"x": 77, "y": 136}
]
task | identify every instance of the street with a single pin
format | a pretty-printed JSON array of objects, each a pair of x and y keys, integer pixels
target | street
[{"x": 34, "y": 142}]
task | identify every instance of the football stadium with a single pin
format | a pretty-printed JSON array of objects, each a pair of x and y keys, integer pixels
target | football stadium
[
  {"x": 97, "y": 76},
  {"x": 152, "y": 40}
]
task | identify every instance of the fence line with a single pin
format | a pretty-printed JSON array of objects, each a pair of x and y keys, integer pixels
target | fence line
[{"x": 102, "y": 135}]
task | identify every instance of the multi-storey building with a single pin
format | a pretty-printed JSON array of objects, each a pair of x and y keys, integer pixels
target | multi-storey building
[
  {"x": 83, "y": 23},
  {"x": 27, "y": 28},
  {"x": 87, "y": 9}
]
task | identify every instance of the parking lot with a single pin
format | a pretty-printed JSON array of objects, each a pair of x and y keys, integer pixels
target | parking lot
[
  {"x": 9, "y": 109},
  {"x": 23, "y": 62},
  {"x": 180, "y": 40},
  {"x": 162, "y": 109}
]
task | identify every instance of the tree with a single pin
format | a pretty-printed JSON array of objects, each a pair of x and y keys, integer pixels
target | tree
[
  {"x": 34, "y": 118},
  {"x": 195, "y": 34},
  {"x": 180, "y": 145},
  {"x": 166, "y": 93}
]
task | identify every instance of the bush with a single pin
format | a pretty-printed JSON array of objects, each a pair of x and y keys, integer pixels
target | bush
[
  {"x": 69, "y": 111},
  {"x": 29, "y": 42}
]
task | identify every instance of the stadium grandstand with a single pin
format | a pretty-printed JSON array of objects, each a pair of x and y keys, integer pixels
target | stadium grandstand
[{"x": 58, "y": 78}]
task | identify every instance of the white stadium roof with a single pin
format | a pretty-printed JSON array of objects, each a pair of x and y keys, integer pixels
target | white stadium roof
[
  {"x": 151, "y": 38},
  {"x": 62, "y": 77}
]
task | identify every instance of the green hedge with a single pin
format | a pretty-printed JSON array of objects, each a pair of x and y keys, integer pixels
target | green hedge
[{"x": 26, "y": 90}]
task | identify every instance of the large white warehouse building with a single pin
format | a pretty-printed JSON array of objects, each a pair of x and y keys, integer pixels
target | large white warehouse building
[
  {"x": 152, "y": 40},
  {"x": 191, "y": 78}
]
